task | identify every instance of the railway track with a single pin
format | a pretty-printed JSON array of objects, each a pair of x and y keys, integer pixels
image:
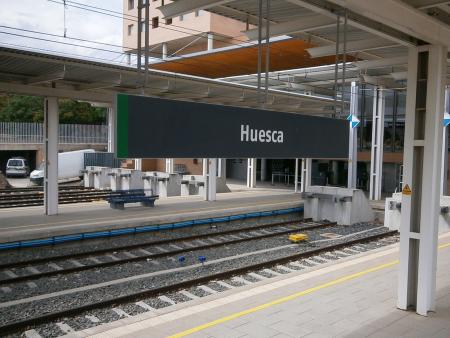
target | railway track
[
  {"x": 209, "y": 274},
  {"x": 31, "y": 270},
  {"x": 22, "y": 197}
]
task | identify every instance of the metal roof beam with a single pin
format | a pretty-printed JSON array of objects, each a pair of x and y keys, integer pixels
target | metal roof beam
[
  {"x": 21, "y": 89},
  {"x": 352, "y": 47},
  {"x": 294, "y": 26},
  {"x": 356, "y": 20},
  {"x": 178, "y": 8},
  {"x": 397, "y": 61},
  {"x": 46, "y": 78},
  {"x": 402, "y": 17}
]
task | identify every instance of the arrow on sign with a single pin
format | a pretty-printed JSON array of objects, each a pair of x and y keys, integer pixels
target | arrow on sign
[
  {"x": 446, "y": 120},
  {"x": 354, "y": 121}
]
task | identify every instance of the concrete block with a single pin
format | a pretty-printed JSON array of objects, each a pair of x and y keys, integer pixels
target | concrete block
[
  {"x": 341, "y": 205},
  {"x": 393, "y": 212}
]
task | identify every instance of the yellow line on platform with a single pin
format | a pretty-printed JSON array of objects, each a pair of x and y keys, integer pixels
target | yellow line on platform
[{"x": 290, "y": 297}]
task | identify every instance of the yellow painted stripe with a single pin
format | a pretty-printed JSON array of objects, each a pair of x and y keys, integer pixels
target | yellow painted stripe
[{"x": 290, "y": 297}]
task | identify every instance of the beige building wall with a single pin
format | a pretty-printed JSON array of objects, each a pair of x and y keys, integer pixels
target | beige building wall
[{"x": 182, "y": 31}]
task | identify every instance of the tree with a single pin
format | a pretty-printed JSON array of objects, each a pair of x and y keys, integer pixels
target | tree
[{"x": 15, "y": 108}]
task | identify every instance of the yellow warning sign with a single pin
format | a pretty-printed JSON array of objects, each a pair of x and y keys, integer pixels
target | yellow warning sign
[{"x": 406, "y": 190}]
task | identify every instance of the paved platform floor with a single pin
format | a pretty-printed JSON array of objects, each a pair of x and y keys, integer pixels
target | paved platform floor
[
  {"x": 353, "y": 298},
  {"x": 30, "y": 223}
]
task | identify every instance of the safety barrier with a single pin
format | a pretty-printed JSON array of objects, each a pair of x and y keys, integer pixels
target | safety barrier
[{"x": 135, "y": 230}]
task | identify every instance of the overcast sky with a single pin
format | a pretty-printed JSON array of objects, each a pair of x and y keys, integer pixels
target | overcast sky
[{"x": 48, "y": 17}]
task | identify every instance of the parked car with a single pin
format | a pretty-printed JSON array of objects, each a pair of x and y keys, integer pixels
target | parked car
[{"x": 17, "y": 166}]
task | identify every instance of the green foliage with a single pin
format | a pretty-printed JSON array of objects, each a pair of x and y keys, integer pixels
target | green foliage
[{"x": 15, "y": 108}]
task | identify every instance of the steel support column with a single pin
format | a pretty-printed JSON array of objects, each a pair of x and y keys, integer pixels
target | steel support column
[
  {"x": 263, "y": 169},
  {"x": 444, "y": 174},
  {"x": 111, "y": 129},
  {"x": 211, "y": 189},
  {"x": 353, "y": 137},
  {"x": 251, "y": 173},
  {"x": 305, "y": 179},
  {"x": 51, "y": 126},
  {"x": 376, "y": 159},
  {"x": 296, "y": 176},
  {"x": 169, "y": 165},
  {"x": 421, "y": 179}
]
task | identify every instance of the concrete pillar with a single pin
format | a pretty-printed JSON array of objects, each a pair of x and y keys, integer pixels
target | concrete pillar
[
  {"x": 51, "y": 125},
  {"x": 111, "y": 129},
  {"x": 353, "y": 137},
  {"x": 305, "y": 174},
  {"x": 376, "y": 160},
  {"x": 169, "y": 165},
  {"x": 251, "y": 173},
  {"x": 263, "y": 169},
  {"x": 421, "y": 178},
  {"x": 210, "y": 45},
  {"x": 444, "y": 174},
  {"x": 211, "y": 181},
  {"x": 164, "y": 50},
  {"x": 296, "y": 176}
]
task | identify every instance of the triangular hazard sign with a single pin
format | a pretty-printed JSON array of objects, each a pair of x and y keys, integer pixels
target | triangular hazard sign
[{"x": 406, "y": 190}]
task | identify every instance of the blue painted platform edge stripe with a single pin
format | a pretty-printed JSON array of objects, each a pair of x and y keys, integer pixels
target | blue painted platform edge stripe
[{"x": 124, "y": 231}]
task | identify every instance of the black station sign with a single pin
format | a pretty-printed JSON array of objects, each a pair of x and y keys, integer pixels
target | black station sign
[{"x": 150, "y": 127}]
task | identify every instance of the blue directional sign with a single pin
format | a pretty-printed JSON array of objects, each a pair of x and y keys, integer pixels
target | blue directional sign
[
  {"x": 446, "y": 120},
  {"x": 354, "y": 121}
]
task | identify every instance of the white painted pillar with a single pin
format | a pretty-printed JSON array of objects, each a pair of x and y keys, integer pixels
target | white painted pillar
[
  {"x": 204, "y": 166},
  {"x": 305, "y": 174},
  {"x": 51, "y": 125},
  {"x": 137, "y": 164},
  {"x": 211, "y": 188},
  {"x": 210, "y": 41},
  {"x": 296, "y": 176},
  {"x": 353, "y": 138},
  {"x": 444, "y": 173},
  {"x": 251, "y": 173},
  {"x": 263, "y": 169},
  {"x": 164, "y": 50},
  {"x": 222, "y": 168},
  {"x": 169, "y": 165},
  {"x": 111, "y": 129},
  {"x": 376, "y": 159},
  {"x": 422, "y": 174}
]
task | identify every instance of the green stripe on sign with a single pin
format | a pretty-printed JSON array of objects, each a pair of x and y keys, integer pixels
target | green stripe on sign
[{"x": 122, "y": 126}]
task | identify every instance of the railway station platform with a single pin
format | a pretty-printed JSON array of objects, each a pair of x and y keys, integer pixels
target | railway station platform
[
  {"x": 355, "y": 297},
  {"x": 28, "y": 223}
]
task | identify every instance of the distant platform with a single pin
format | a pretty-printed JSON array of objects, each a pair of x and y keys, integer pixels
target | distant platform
[{"x": 18, "y": 224}]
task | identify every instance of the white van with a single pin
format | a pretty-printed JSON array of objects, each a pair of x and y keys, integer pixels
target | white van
[{"x": 17, "y": 166}]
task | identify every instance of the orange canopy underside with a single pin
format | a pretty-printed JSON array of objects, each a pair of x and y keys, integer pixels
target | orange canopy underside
[{"x": 284, "y": 55}]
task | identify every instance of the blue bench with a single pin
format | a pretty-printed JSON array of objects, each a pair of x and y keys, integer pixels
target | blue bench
[{"x": 118, "y": 199}]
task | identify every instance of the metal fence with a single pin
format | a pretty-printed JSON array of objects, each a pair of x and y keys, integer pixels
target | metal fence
[
  {"x": 101, "y": 159},
  {"x": 21, "y": 132}
]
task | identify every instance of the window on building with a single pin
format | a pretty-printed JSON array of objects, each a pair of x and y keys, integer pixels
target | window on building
[
  {"x": 155, "y": 22},
  {"x": 130, "y": 4},
  {"x": 169, "y": 21},
  {"x": 130, "y": 29}
]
